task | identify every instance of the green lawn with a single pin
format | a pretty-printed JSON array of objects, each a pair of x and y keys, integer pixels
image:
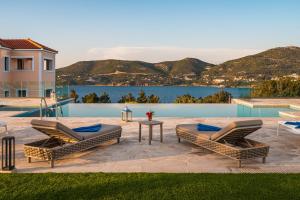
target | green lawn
[{"x": 149, "y": 186}]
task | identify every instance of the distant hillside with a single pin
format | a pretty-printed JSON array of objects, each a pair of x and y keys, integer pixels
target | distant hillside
[
  {"x": 122, "y": 72},
  {"x": 270, "y": 64},
  {"x": 109, "y": 66},
  {"x": 184, "y": 66}
]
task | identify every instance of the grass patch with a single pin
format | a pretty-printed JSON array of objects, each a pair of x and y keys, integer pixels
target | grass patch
[{"x": 149, "y": 186}]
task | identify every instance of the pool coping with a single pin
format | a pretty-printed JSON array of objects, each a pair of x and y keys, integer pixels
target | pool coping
[
  {"x": 290, "y": 114},
  {"x": 265, "y": 105}
]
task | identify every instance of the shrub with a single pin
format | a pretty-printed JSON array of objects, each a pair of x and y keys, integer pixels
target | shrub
[
  {"x": 74, "y": 95},
  {"x": 104, "y": 98},
  {"x": 153, "y": 99},
  {"x": 219, "y": 97},
  {"x": 127, "y": 99},
  {"x": 284, "y": 87},
  {"x": 90, "y": 98},
  {"x": 142, "y": 97},
  {"x": 186, "y": 98}
]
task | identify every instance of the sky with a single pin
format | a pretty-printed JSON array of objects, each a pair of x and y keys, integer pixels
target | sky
[{"x": 153, "y": 30}]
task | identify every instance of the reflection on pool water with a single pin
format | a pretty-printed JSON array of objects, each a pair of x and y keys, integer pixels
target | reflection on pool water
[
  {"x": 170, "y": 110},
  {"x": 11, "y": 108}
]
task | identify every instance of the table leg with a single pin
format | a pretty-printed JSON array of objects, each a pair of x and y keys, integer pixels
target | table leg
[
  {"x": 161, "y": 133},
  {"x": 150, "y": 134},
  {"x": 140, "y": 132},
  {"x": 6, "y": 131}
]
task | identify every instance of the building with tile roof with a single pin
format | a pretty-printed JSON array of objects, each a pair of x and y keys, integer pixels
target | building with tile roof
[{"x": 27, "y": 68}]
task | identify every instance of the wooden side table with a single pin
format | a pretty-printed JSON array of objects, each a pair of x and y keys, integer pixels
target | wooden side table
[{"x": 150, "y": 124}]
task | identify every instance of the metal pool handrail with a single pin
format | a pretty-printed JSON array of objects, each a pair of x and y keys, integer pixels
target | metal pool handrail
[{"x": 43, "y": 99}]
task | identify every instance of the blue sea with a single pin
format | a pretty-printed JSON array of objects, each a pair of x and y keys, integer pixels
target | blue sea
[{"x": 167, "y": 94}]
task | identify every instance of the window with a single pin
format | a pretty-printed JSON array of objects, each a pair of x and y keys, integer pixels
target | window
[
  {"x": 22, "y": 93},
  {"x": 6, "y": 64},
  {"x": 6, "y": 93},
  {"x": 20, "y": 64},
  {"x": 48, "y": 65},
  {"x": 48, "y": 92}
]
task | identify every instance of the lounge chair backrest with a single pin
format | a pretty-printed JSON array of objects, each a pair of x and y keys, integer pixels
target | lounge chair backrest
[
  {"x": 237, "y": 130},
  {"x": 56, "y": 130}
]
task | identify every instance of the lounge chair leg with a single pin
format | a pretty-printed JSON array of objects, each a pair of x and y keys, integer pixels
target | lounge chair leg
[
  {"x": 239, "y": 163},
  {"x": 29, "y": 159},
  {"x": 52, "y": 163},
  {"x": 118, "y": 140},
  {"x": 264, "y": 159},
  {"x": 178, "y": 139}
]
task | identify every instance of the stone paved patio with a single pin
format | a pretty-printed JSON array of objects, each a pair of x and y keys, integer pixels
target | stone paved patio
[{"x": 170, "y": 156}]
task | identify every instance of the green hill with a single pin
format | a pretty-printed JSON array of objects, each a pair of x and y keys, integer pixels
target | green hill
[
  {"x": 271, "y": 64},
  {"x": 109, "y": 66},
  {"x": 129, "y": 72},
  {"x": 277, "y": 62},
  {"x": 184, "y": 66}
]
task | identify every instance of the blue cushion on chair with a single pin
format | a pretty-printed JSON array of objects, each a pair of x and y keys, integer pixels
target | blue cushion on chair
[
  {"x": 94, "y": 128},
  {"x": 293, "y": 123},
  {"x": 204, "y": 127}
]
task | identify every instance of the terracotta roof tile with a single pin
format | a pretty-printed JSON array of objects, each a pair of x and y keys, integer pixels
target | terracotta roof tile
[{"x": 23, "y": 44}]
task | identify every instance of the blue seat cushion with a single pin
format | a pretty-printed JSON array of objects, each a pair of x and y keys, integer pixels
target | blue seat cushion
[
  {"x": 205, "y": 127},
  {"x": 94, "y": 128},
  {"x": 293, "y": 123}
]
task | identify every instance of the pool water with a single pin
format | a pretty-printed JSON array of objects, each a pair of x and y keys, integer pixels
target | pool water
[
  {"x": 10, "y": 108},
  {"x": 170, "y": 110}
]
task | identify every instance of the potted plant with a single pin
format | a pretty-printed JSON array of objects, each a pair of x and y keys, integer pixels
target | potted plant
[{"x": 150, "y": 115}]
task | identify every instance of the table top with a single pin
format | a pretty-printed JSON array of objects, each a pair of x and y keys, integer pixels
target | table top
[{"x": 152, "y": 122}]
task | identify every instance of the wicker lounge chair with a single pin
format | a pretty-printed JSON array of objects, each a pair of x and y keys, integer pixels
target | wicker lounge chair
[
  {"x": 230, "y": 141},
  {"x": 64, "y": 141}
]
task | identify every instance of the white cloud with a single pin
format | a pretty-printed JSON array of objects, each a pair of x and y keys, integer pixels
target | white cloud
[{"x": 161, "y": 53}]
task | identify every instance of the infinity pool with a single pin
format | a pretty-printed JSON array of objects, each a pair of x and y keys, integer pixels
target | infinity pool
[{"x": 165, "y": 110}]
